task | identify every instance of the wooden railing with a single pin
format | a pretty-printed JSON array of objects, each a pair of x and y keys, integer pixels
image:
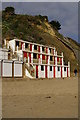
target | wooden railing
[
  {"x": 52, "y": 62},
  {"x": 35, "y": 60}
]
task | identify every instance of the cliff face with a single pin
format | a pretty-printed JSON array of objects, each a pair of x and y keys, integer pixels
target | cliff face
[{"x": 37, "y": 29}]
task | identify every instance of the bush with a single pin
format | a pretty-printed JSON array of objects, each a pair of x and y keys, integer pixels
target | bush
[
  {"x": 10, "y": 10},
  {"x": 56, "y": 25}
]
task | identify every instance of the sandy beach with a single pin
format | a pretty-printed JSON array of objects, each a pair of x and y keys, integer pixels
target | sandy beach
[{"x": 43, "y": 98}]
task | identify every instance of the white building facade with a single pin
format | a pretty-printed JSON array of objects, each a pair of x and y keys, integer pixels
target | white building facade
[{"x": 40, "y": 61}]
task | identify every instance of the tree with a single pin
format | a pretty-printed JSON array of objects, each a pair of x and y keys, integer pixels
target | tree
[
  {"x": 56, "y": 25},
  {"x": 10, "y": 10},
  {"x": 42, "y": 18}
]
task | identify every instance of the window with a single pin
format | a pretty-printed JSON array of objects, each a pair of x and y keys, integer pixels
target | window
[
  {"x": 50, "y": 50},
  {"x": 42, "y": 48},
  {"x": 50, "y": 68},
  {"x": 42, "y": 68},
  {"x": 34, "y": 55},
  {"x": 50, "y": 58},
  {"x": 26, "y": 45},
  {"x": 64, "y": 68},
  {"x": 35, "y": 47},
  {"x": 58, "y": 68},
  {"x": 17, "y": 43}
]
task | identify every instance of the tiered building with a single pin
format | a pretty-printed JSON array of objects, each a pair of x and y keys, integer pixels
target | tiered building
[{"x": 40, "y": 61}]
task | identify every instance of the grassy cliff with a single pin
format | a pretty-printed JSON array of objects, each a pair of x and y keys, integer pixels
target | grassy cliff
[{"x": 37, "y": 29}]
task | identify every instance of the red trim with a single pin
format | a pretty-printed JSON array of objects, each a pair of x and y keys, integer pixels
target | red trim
[
  {"x": 21, "y": 44},
  {"x": 30, "y": 47},
  {"x": 38, "y": 48},
  {"x": 46, "y": 50},
  {"x": 60, "y": 61},
  {"x": 53, "y": 51},
  {"x": 36, "y": 71},
  {"x": 30, "y": 57},
  {"x": 61, "y": 71},
  {"x": 54, "y": 71},
  {"x": 25, "y": 54},
  {"x": 43, "y": 57},
  {"x": 57, "y": 59},
  {"x": 54, "y": 60},
  {"x": 47, "y": 60},
  {"x": 38, "y": 55},
  {"x": 67, "y": 71},
  {"x": 45, "y": 71}
]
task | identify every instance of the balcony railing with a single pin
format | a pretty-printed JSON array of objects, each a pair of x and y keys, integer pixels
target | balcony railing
[
  {"x": 58, "y": 63},
  {"x": 35, "y": 60},
  {"x": 44, "y": 62},
  {"x": 52, "y": 62}
]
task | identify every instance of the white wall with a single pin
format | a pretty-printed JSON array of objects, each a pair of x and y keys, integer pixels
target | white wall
[
  {"x": 65, "y": 73},
  {"x": 17, "y": 70},
  {"x": 7, "y": 69},
  {"x": 12, "y": 44},
  {"x": 68, "y": 71},
  {"x": 51, "y": 73},
  {"x": 3, "y": 54},
  {"x": 42, "y": 73},
  {"x": 20, "y": 55},
  {"x": 59, "y": 73},
  {"x": 0, "y": 68}
]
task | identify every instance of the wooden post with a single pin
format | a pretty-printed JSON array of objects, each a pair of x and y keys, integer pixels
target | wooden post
[{"x": 23, "y": 69}]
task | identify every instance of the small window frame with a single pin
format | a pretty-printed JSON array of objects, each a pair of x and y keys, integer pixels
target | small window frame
[
  {"x": 51, "y": 58},
  {"x": 58, "y": 68},
  {"x": 34, "y": 56},
  {"x": 35, "y": 47},
  {"x": 42, "y": 67},
  {"x": 26, "y": 45},
  {"x": 64, "y": 69},
  {"x": 50, "y": 68}
]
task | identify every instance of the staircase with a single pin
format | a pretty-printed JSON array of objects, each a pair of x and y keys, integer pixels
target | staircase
[{"x": 29, "y": 70}]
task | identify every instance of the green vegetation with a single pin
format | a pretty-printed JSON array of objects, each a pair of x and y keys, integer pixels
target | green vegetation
[
  {"x": 55, "y": 24},
  {"x": 10, "y": 10}
]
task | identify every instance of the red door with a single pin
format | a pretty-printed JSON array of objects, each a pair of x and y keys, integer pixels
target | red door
[
  {"x": 61, "y": 71},
  {"x": 36, "y": 71},
  {"x": 54, "y": 72},
  {"x": 45, "y": 71}
]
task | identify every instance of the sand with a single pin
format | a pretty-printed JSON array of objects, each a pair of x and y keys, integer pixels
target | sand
[{"x": 47, "y": 98}]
